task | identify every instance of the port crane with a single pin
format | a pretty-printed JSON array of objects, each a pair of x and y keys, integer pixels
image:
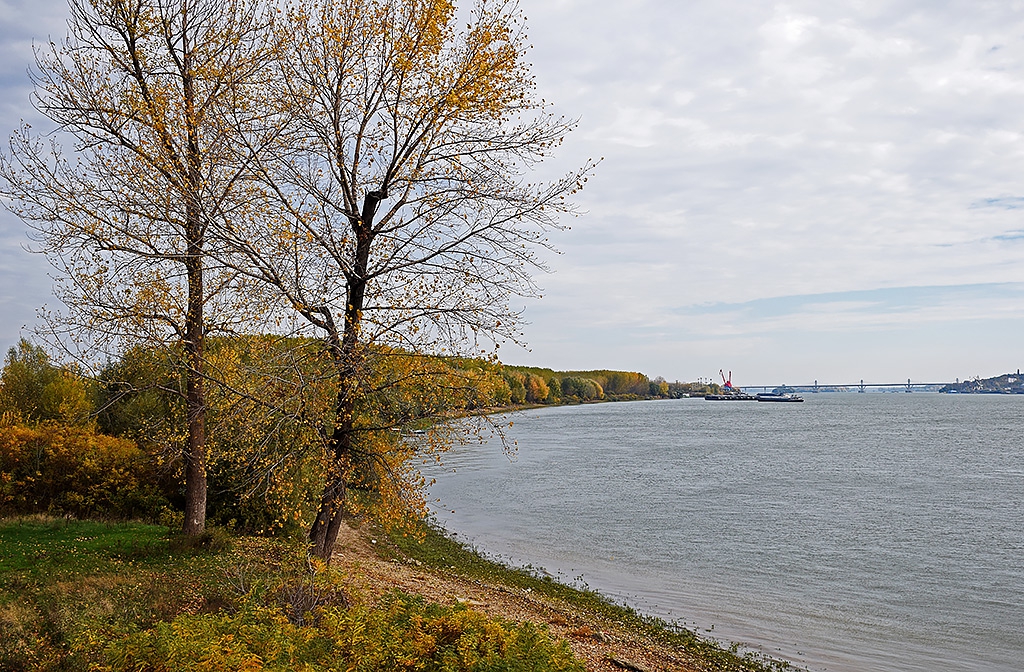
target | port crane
[{"x": 727, "y": 382}]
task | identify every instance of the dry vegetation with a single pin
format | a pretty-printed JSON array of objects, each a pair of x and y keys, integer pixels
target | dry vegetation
[
  {"x": 606, "y": 636},
  {"x": 594, "y": 638},
  {"x": 90, "y": 595}
]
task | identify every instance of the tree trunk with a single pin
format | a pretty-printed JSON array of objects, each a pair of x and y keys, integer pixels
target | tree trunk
[
  {"x": 324, "y": 533},
  {"x": 195, "y": 396},
  {"x": 195, "y": 451},
  {"x": 195, "y": 389},
  {"x": 348, "y": 363}
]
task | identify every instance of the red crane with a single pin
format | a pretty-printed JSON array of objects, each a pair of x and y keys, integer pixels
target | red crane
[{"x": 727, "y": 381}]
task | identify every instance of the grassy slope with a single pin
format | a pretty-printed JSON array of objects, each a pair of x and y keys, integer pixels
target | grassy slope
[
  {"x": 64, "y": 584},
  {"x": 436, "y": 550}
]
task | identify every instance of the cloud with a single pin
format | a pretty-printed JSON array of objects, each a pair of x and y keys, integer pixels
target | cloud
[
  {"x": 933, "y": 333},
  {"x": 24, "y": 284},
  {"x": 825, "y": 152},
  {"x": 23, "y": 23},
  {"x": 905, "y": 308}
]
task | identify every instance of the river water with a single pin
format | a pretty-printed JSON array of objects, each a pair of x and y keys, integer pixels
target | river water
[{"x": 849, "y": 533}]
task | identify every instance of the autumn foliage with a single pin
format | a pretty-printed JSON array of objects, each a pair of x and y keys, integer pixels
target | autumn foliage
[
  {"x": 68, "y": 470},
  {"x": 403, "y": 634},
  {"x": 354, "y": 177},
  {"x": 112, "y": 445}
]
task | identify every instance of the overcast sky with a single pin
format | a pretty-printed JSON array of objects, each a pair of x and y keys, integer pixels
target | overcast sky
[{"x": 792, "y": 191}]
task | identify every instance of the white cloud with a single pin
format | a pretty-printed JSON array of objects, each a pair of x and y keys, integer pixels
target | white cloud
[{"x": 756, "y": 151}]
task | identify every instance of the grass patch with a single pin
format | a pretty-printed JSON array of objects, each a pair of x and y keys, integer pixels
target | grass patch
[
  {"x": 64, "y": 582},
  {"x": 83, "y": 594},
  {"x": 39, "y": 546},
  {"x": 78, "y": 595},
  {"x": 435, "y": 549}
]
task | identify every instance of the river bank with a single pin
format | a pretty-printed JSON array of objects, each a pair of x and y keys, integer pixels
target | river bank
[
  {"x": 71, "y": 590},
  {"x": 606, "y": 635}
]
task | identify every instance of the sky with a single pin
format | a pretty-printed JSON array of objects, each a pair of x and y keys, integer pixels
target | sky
[{"x": 789, "y": 191}]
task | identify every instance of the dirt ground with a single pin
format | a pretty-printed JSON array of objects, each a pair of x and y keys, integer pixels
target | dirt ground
[{"x": 602, "y": 646}]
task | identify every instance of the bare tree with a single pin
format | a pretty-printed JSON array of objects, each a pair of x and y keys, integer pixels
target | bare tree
[
  {"x": 149, "y": 95},
  {"x": 400, "y": 218}
]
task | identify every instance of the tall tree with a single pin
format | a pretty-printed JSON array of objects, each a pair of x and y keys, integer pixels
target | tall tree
[
  {"x": 36, "y": 390},
  {"x": 401, "y": 217},
  {"x": 147, "y": 94}
]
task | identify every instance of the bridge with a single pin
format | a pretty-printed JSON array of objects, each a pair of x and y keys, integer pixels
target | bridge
[{"x": 861, "y": 387}]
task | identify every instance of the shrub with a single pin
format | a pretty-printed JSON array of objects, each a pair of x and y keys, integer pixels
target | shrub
[
  {"x": 404, "y": 633},
  {"x": 72, "y": 470}
]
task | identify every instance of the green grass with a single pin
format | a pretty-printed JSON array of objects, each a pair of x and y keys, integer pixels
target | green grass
[
  {"x": 69, "y": 588},
  {"x": 65, "y": 580},
  {"x": 436, "y": 550},
  {"x": 78, "y": 595},
  {"x": 38, "y": 547}
]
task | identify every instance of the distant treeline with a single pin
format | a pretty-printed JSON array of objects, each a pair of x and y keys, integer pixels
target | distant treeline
[
  {"x": 109, "y": 443},
  {"x": 533, "y": 385}
]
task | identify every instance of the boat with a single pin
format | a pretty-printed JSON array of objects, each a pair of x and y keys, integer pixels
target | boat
[
  {"x": 735, "y": 396},
  {"x": 780, "y": 394},
  {"x": 768, "y": 396}
]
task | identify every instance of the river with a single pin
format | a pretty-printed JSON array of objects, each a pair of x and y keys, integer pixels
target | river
[{"x": 850, "y": 533}]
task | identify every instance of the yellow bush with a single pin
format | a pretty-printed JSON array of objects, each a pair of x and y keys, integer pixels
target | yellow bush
[
  {"x": 404, "y": 633},
  {"x": 72, "y": 470}
]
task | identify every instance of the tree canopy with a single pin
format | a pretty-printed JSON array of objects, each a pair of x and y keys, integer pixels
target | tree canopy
[
  {"x": 356, "y": 172},
  {"x": 399, "y": 216},
  {"x": 146, "y": 95}
]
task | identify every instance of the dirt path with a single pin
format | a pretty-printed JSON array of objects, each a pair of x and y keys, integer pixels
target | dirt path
[{"x": 600, "y": 644}]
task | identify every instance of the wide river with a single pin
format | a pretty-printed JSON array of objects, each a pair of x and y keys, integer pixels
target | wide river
[{"x": 849, "y": 533}]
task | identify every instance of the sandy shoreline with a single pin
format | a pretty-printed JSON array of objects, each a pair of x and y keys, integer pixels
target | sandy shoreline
[{"x": 603, "y": 644}]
